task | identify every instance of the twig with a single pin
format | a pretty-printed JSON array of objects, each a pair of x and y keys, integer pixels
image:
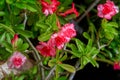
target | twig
[
  {"x": 37, "y": 56},
  {"x": 73, "y": 74},
  {"x": 25, "y": 20},
  {"x": 50, "y": 73},
  {"x": 88, "y": 10}
]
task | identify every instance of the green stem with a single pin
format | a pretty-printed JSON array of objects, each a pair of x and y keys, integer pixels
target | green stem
[{"x": 105, "y": 60}]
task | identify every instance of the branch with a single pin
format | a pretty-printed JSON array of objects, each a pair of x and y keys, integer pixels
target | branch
[
  {"x": 50, "y": 73},
  {"x": 36, "y": 54},
  {"x": 88, "y": 10},
  {"x": 73, "y": 74}
]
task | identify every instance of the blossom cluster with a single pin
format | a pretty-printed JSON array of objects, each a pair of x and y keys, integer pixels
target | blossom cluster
[
  {"x": 57, "y": 40},
  {"x": 50, "y": 8},
  {"x": 107, "y": 10}
]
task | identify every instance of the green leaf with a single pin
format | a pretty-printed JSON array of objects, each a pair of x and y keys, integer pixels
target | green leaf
[
  {"x": 23, "y": 47},
  {"x": 113, "y": 24},
  {"x": 77, "y": 53},
  {"x": 2, "y": 2},
  {"x": 93, "y": 62},
  {"x": 34, "y": 70},
  {"x": 86, "y": 35},
  {"x": 89, "y": 46},
  {"x": 84, "y": 60},
  {"x": 4, "y": 54},
  {"x": 2, "y": 13},
  {"x": 25, "y": 33},
  {"x": 9, "y": 29},
  {"x": 51, "y": 21},
  {"x": 45, "y": 36},
  {"x": 22, "y": 77},
  {"x": 64, "y": 58},
  {"x": 2, "y": 37},
  {"x": 67, "y": 67},
  {"x": 80, "y": 45},
  {"x": 19, "y": 42},
  {"x": 8, "y": 37},
  {"x": 8, "y": 46},
  {"x": 66, "y": 3},
  {"x": 72, "y": 46},
  {"x": 19, "y": 27},
  {"x": 9, "y": 1},
  {"x": 62, "y": 78},
  {"x": 52, "y": 62},
  {"x": 25, "y": 6}
]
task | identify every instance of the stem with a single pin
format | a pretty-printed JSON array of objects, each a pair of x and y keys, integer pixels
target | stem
[
  {"x": 105, "y": 60},
  {"x": 73, "y": 74},
  {"x": 50, "y": 73},
  {"x": 36, "y": 54},
  {"x": 88, "y": 10}
]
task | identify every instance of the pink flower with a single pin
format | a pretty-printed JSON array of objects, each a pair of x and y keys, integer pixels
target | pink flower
[
  {"x": 70, "y": 11},
  {"x": 16, "y": 60},
  {"x": 49, "y": 8},
  {"x": 68, "y": 31},
  {"x": 107, "y": 10},
  {"x": 116, "y": 66},
  {"x": 14, "y": 40},
  {"x": 58, "y": 39},
  {"x": 45, "y": 49}
]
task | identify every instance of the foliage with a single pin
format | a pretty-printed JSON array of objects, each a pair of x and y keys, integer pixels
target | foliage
[{"x": 33, "y": 23}]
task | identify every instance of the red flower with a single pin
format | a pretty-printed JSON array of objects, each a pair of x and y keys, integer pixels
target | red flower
[
  {"x": 45, "y": 49},
  {"x": 58, "y": 39},
  {"x": 14, "y": 40},
  {"x": 70, "y": 11},
  {"x": 49, "y": 8},
  {"x": 116, "y": 66},
  {"x": 68, "y": 31},
  {"x": 107, "y": 10},
  {"x": 16, "y": 60}
]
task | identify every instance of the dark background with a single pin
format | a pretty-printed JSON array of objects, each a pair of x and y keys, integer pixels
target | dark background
[{"x": 104, "y": 72}]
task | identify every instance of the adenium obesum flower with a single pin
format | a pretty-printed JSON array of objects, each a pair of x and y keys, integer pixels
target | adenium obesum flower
[
  {"x": 70, "y": 11},
  {"x": 68, "y": 31},
  {"x": 57, "y": 40},
  {"x": 107, "y": 10},
  {"x": 116, "y": 66},
  {"x": 16, "y": 60},
  {"x": 64, "y": 35},
  {"x": 14, "y": 40},
  {"x": 45, "y": 49},
  {"x": 49, "y": 8}
]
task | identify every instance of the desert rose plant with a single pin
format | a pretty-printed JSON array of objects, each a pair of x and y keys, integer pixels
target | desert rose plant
[{"x": 40, "y": 38}]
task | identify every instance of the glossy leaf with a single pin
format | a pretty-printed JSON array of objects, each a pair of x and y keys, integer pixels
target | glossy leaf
[
  {"x": 25, "y": 33},
  {"x": 80, "y": 45},
  {"x": 52, "y": 62},
  {"x": 67, "y": 67},
  {"x": 45, "y": 36}
]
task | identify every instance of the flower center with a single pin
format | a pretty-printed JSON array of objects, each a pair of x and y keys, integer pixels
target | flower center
[
  {"x": 17, "y": 61},
  {"x": 106, "y": 9}
]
